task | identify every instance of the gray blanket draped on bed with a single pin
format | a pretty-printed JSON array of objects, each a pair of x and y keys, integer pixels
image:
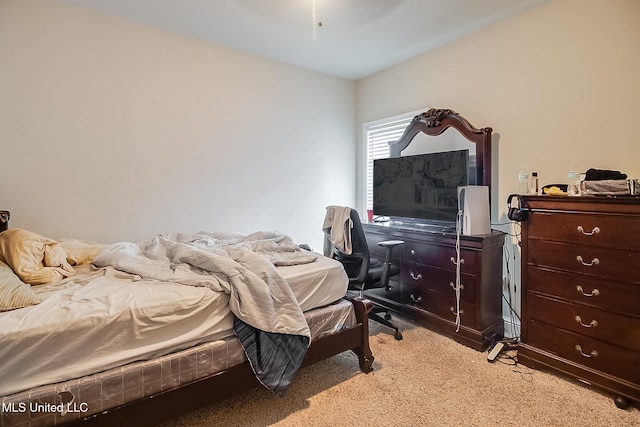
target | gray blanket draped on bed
[{"x": 269, "y": 322}]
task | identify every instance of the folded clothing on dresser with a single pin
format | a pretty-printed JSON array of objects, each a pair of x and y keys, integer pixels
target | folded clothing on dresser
[
  {"x": 604, "y": 182},
  {"x": 611, "y": 187}
]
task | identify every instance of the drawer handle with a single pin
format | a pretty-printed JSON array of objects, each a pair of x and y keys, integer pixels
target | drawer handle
[
  {"x": 453, "y": 286},
  {"x": 453, "y": 310},
  {"x": 593, "y": 262},
  {"x": 415, "y": 276},
  {"x": 592, "y": 354},
  {"x": 593, "y": 323},
  {"x": 412, "y": 251},
  {"x": 453, "y": 260},
  {"x": 415, "y": 299},
  {"x": 595, "y": 230},
  {"x": 593, "y": 293}
]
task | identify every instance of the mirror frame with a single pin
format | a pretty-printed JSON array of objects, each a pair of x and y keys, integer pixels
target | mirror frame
[{"x": 434, "y": 122}]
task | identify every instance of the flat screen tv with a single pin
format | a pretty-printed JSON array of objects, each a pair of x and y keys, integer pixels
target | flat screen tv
[{"x": 421, "y": 187}]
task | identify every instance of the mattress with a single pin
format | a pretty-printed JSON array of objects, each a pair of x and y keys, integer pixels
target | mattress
[
  {"x": 102, "y": 319},
  {"x": 316, "y": 284},
  {"x": 76, "y": 398}
]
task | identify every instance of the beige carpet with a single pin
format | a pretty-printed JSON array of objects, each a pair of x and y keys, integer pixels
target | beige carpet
[{"x": 424, "y": 380}]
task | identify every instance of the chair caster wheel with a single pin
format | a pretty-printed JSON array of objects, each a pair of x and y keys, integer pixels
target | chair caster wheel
[
  {"x": 397, "y": 335},
  {"x": 621, "y": 402},
  {"x": 387, "y": 316}
]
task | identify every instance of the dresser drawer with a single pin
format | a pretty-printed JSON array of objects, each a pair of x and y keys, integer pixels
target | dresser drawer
[
  {"x": 581, "y": 288},
  {"x": 585, "y": 351},
  {"x": 439, "y": 256},
  {"x": 442, "y": 306},
  {"x": 603, "y": 262},
  {"x": 605, "y": 326},
  {"x": 438, "y": 280},
  {"x": 599, "y": 230}
]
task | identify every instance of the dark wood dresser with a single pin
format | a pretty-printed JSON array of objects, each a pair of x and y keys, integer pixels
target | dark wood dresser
[
  {"x": 581, "y": 290},
  {"x": 425, "y": 289}
]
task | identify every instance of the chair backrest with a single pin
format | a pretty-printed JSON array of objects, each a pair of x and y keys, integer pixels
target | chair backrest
[{"x": 357, "y": 263}]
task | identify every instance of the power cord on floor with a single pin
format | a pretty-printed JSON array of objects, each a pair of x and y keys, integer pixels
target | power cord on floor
[{"x": 458, "y": 285}]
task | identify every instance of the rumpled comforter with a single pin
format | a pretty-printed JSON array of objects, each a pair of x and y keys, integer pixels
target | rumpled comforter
[{"x": 269, "y": 322}]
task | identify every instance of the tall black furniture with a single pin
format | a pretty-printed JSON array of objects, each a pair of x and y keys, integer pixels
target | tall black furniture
[{"x": 4, "y": 220}]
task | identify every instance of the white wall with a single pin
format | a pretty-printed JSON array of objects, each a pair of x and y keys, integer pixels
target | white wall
[
  {"x": 558, "y": 83},
  {"x": 111, "y": 130}
]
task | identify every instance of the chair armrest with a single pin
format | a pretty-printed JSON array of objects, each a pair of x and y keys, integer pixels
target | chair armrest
[{"x": 390, "y": 243}]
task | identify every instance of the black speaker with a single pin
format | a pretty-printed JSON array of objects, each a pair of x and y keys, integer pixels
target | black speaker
[
  {"x": 4, "y": 220},
  {"x": 516, "y": 213}
]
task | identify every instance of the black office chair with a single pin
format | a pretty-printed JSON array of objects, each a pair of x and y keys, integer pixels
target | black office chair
[{"x": 365, "y": 272}]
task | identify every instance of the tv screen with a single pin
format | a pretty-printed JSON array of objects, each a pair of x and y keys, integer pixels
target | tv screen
[{"x": 423, "y": 186}]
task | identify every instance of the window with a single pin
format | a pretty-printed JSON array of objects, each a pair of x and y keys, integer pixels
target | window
[{"x": 377, "y": 136}]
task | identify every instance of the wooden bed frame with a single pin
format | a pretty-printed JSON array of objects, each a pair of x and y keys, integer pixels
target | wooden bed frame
[{"x": 164, "y": 406}]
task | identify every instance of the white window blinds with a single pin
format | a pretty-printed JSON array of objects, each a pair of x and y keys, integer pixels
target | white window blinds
[{"x": 378, "y": 135}]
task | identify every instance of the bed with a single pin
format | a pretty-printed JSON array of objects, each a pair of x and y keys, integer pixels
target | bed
[{"x": 139, "y": 333}]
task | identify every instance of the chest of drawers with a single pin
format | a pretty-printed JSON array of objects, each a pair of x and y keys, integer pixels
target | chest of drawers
[
  {"x": 581, "y": 290},
  {"x": 425, "y": 289}
]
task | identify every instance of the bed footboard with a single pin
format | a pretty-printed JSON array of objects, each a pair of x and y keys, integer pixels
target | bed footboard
[
  {"x": 362, "y": 308},
  {"x": 171, "y": 404}
]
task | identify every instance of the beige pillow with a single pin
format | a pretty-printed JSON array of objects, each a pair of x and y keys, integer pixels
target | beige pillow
[
  {"x": 35, "y": 259},
  {"x": 14, "y": 293},
  {"x": 80, "y": 252}
]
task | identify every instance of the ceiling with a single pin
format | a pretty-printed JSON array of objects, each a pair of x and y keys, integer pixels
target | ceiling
[{"x": 348, "y": 38}]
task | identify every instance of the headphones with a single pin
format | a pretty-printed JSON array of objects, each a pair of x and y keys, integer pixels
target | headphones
[{"x": 516, "y": 213}]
